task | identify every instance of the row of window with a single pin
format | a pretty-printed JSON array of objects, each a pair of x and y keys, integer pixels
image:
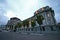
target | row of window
[
  {"x": 37, "y": 29},
  {"x": 51, "y": 28}
]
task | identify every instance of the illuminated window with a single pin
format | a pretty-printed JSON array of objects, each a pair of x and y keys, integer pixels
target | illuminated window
[
  {"x": 48, "y": 15},
  {"x": 37, "y": 12},
  {"x": 29, "y": 22},
  {"x": 32, "y": 20},
  {"x": 42, "y": 9}
]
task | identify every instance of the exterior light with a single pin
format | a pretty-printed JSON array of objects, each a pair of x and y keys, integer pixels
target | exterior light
[
  {"x": 37, "y": 12},
  {"x": 49, "y": 15},
  {"x": 42, "y": 9}
]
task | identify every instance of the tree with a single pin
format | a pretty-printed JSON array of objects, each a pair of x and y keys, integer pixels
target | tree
[
  {"x": 40, "y": 19},
  {"x": 33, "y": 23},
  {"x": 18, "y": 25},
  {"x": 26, "y": 23}
]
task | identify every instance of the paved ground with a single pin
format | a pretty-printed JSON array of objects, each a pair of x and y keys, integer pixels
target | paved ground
[{"x": 18, "y": 36}]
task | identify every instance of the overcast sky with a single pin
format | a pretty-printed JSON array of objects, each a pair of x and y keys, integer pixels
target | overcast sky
[{"x": 24, "y": 9}]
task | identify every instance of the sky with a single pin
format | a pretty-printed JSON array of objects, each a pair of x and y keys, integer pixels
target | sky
[{"x": 24, "y": 9}]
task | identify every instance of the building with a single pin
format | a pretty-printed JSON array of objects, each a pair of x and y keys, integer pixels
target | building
[
  {"x": 48, "y": 15},
  {"x": 12, "y": 22},
  {"x": 43, "y": 21},
  {"x": 48, "y": 24}
]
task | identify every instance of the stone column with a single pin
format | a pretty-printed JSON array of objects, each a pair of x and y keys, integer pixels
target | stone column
[{"x": 30, "y": 25}]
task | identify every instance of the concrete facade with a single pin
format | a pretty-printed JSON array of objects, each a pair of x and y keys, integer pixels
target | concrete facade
[
  {"x": 48, "y": 25},
  {"x": 48, "y": 14},
  {"x": 12, "y": 22},
  {"x": 49, "y": 22}
]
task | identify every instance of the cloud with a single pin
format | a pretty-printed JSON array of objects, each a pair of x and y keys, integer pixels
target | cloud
[
  {"x": 3, "y": 18},
  {"x": 10, "y": 14},
  {"x": 22, "y": 8}
]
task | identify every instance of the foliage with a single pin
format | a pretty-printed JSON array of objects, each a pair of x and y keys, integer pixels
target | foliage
[
  {"x": 40, "y": 19},
  {"x": 26, "y": 23},
  {"x": 18, "y": 25},
  {"x": 33, "y": 23}
]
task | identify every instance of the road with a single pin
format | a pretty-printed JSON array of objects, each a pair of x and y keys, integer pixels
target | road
[{"x": 18, "y": 36}]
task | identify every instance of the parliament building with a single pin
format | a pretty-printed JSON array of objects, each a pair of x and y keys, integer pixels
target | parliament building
[{"x": 43, "y": 21}]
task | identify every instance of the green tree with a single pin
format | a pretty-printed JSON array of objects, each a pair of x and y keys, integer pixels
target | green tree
[
  {"x": 40, "y": 19},
  {"x": 18, "y": 25},
  {"x": 26, "y": 23},
  {"x": 33, "y": 23}
]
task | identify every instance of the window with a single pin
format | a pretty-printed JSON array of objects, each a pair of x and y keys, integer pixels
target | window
[
  {"x": 28, "y": 29},
  {"x": 32, "y": 29},
  {"x": 42, "y": 9},
  {"x": 43, "y": 28},
  {"x": 51, "y": 28},
  {"x": 48, "y": 15},
  {"x": 59, "y": 27}
]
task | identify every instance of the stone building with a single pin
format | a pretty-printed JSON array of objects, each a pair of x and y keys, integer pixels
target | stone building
[
  {"x": 48, "y": 24},
  {"x": 48, "y": 15},
  {"x": 12, "y": 22}
]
